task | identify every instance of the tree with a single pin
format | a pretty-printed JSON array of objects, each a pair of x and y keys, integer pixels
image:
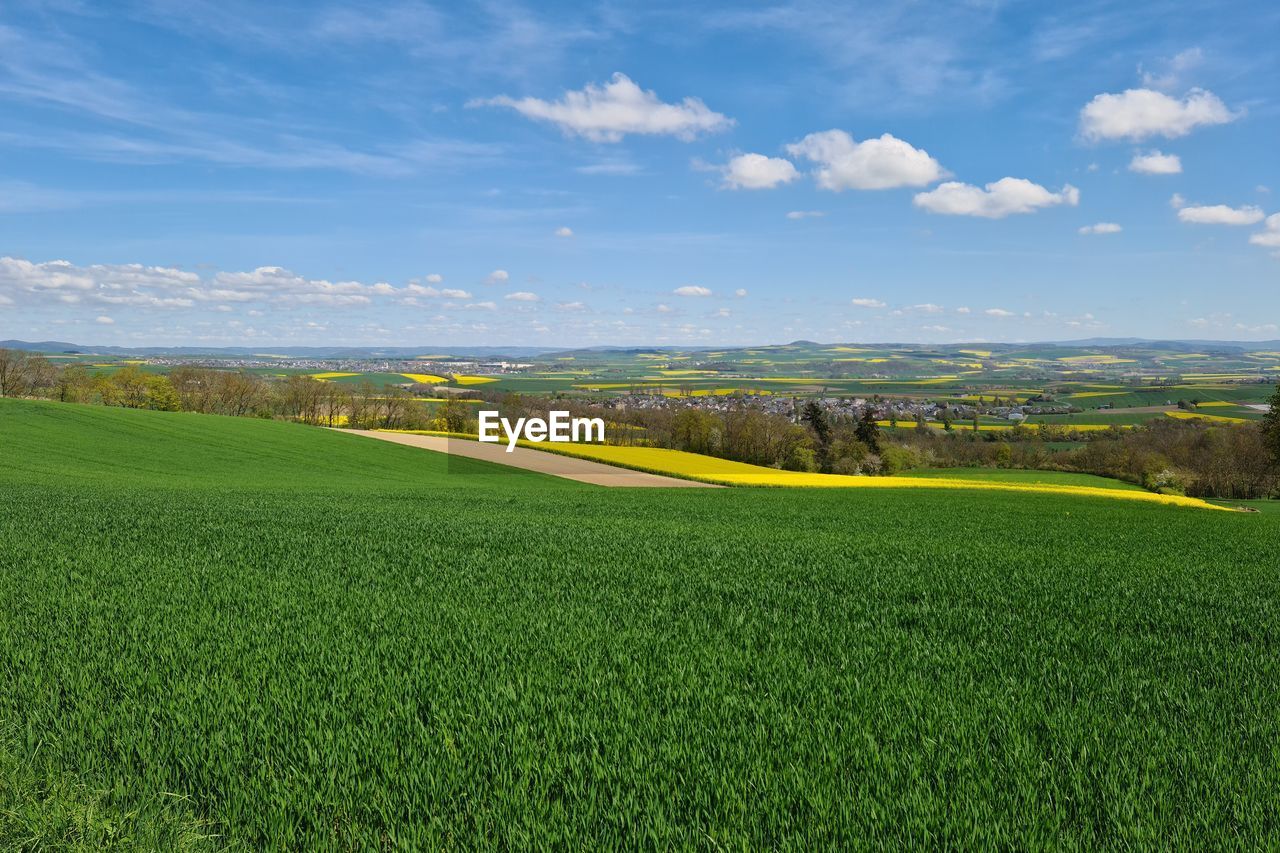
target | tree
[
  {"x": 816, "y": 417},
  {"x": 13, "y": 373},
  {"x": 1271, "y": 427},
  {"x": 868, "y": 431}
]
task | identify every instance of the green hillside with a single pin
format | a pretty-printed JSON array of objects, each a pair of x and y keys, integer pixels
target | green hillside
[{"x": 234, "y": 633}]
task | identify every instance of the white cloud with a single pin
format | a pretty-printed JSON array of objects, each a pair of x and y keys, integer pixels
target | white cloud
[
  {"x": 1221, "y": 214},
  {"x": 866, "y": 302},
  {"x": 572, "y": 306},
  {"x": 1270, "y": 238},
  {"x": 564, "y": 231},
  {"x": 805, "y": 214},
  {"x": 873, "y": 164},
  {"x": 740, "y": 292},
  {"x": 1155, "y": 163},
  {"x": 435, "y": 278},
  {"x": 498, "y": 277},
  {"x": 1141, "y": 113},
  {"x": 691, "y": 290},
  {"x": 481, "y": 306},
  {"x": 927, "y": 308},
  {"x": 523, "y": 296},
  {"x": 998, "y": 312},
  {"x": 609, "y": 112},
  {"x": 996, "y": 201},
  {"x": 1101, "y": 228},
  {"x": 1173, "y": 69},
  {"x": 757, "y": 172},
  {"x": 104, "y": 321},
  {"x": 722, "y": 312},
  {"x": 664, "y": 309},
  {"x": 455, "y": 293},
  {"x": 962, "y": 310}
]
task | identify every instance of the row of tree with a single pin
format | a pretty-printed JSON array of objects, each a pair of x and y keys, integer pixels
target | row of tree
[{"x": 1189, "y": 456}]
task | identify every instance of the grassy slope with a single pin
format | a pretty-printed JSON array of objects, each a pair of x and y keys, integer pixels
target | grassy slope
[{"x": 320, "y": 639}]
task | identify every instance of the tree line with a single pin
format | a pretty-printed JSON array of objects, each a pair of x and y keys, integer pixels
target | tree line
[{"x": 1199, "y": 458}]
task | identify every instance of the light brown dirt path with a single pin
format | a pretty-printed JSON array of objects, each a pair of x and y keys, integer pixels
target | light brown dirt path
[{"x": 571, "y": 468}]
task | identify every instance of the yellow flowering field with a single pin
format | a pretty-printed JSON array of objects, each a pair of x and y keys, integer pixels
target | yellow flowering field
[
  {"x": 693, "y": 466},
  {"x": 1223, "y": 419},
  {"x": 425, "y": 378}
]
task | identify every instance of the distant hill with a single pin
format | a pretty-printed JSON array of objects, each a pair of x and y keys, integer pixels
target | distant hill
[
  {"x": 292, "y": 352},
  {"x": 517, "y": 352}
]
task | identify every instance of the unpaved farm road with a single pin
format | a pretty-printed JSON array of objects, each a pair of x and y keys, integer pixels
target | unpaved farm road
[{"x": 569, "y": 467}]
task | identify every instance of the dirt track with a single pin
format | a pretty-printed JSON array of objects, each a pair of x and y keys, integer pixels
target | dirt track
[{"x": 582, "y": 470}]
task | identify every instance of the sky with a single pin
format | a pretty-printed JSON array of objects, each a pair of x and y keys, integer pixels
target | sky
[{"x": 229, "y": 173}]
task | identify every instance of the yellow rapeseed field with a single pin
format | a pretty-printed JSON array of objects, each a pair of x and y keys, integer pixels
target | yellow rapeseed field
[
  {"x": 425, "y": 378},
  {"x": 474, "y": 380},
  {"x": 1222, "y": 419},
  {"x": 694, "y": 466},
  {"x": 331, "y": 375}
]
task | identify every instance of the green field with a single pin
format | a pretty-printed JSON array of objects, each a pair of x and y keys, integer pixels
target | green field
[
  {"x": 230, "y": 632},
  {"x": 1016, "y": 475}
]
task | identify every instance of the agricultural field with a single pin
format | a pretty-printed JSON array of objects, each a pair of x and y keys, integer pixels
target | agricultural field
[
  {"x": 227, "y": 633},
  {"x": 1096, "y": 380}
]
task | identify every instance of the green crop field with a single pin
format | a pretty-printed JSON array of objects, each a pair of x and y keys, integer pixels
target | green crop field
[
  {"x": 1015, "y": 475},
  {"x": 221, "y": 632}
]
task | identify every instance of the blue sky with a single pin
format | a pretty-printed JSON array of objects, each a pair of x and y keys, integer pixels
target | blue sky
[{"x": 239, "y": 173}]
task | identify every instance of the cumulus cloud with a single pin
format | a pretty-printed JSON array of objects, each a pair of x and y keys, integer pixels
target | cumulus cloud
[
  {"x": 664, "y": 309},
  {"x": 572, "y": 306},
  {"x": 873, "y": 164},
  {"x": 1219, "y": 214},
  {"x": 435, "y": 278},
  {"x": 1155, "y": 163},
  {"x": 1270, "y": 236},
  {"x": 104, "y": 321},
  {"x": 998, "y": 312},
  {"x": 691, "y": 290},
  {"x": 523, "y": 296},
  {"x": 995, "y": 201},
  {"x": 740, "y": 292},
  {"x": 866, "y": 302},
  {"x": 1101, "y": 228},
  {"x": 757, "y": 172},
  {"x": 498, "y": 277},
  {"x": 805, "y": 214},
  {"x": 1137, "y": 114},
  {"x": 927, "y": 308},
  {"x": 564, "y": 231},
  {"x": 480, "y": 306},
  {"x": 722, "y": 312},
  {"x": 607, "y": 113}
]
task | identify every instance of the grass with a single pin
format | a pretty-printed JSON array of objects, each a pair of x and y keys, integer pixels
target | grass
[
  {"x": 1017, "y": 475},
  {"x": 310, "y": 640}
]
